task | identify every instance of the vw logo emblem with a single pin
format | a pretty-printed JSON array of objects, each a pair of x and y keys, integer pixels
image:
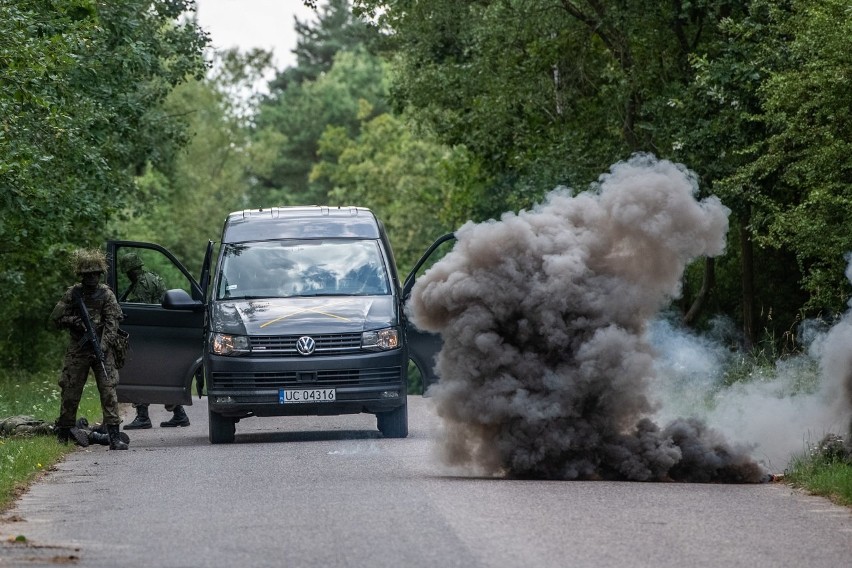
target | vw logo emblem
[{"x": 305, "y": 345}]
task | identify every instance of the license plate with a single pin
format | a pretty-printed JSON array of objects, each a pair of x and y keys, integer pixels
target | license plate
[{"x": 296, "y": 396}]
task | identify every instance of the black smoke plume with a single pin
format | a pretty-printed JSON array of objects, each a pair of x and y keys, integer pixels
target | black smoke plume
[{"x": 546, "y": 364}]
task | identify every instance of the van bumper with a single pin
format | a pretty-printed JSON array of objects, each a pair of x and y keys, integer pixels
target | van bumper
[{"x": 253, "y": 386}]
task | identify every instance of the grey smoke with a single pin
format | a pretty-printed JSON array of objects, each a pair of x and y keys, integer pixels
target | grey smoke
[
  {"x": 784, "y": 409},
  {"x": 547, "y": 367}
]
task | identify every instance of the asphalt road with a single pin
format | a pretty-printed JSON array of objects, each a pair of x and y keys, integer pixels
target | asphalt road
[{"x": 331, "y": 492}]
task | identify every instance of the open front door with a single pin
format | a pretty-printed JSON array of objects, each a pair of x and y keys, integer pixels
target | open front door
[
  {"x": 423, "y": 346},
  {"x": 165, "y": 345}
]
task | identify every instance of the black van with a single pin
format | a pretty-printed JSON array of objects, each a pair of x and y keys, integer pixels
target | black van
[{"x": 303, "y": 315}]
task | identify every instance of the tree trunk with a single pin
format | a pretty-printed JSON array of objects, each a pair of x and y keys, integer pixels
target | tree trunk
[
  {"x": 707, "y": 285},
  {"x": 747, "y": 271}
]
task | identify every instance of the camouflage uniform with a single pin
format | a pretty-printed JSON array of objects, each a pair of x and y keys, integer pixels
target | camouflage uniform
[
  {"x": 145, "y": 287},
  {"x": 149, "y": 289},
  {"x": 25, "y": 426},
  {"x": 105, "y": 314}
]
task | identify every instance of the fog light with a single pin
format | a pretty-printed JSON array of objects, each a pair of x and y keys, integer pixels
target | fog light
[
  {"x": 224, "y": 399},
  {"x": 390, "y": 394}
]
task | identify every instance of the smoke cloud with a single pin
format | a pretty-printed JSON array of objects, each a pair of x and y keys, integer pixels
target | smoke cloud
[
  {"x": 784, "y": 409},
  {"x": 547, "y": 367}
]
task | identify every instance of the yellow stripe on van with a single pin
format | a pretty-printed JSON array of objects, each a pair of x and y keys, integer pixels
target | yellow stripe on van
[{"x": 316, "y": 310}]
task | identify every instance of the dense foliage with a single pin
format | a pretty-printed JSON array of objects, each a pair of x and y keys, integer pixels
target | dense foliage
[
  {"x": 81, "y": 96},
  {"x": 799, "y": 174},
  {"x": 334, "y": 74},
  {"x": 327, "y": 136},
  {"x": 209, "y": 178},
  {"x": 753, "y": 95},
  {"x": 431, "y": 113}
]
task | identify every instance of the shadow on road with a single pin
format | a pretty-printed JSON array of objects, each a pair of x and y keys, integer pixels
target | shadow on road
[
  {"x": 171, "y": 439},
  {"x": 305, "y": 436}
]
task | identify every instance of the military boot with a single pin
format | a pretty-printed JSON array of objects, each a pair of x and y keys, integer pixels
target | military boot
[
  {"x": 178, "y": 419},
  {"x": 96, "y": 437},
  {"x": 141, "y": 422},
  {"x": 73, "y": 434},
  {"x": 63, "y": 434},
  {"x": 102, "y": 438},
  {"x": 79, "y": 436},
  {"x": 115, "y": 442}
]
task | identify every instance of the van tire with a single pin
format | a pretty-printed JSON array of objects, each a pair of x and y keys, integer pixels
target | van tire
[
  {"x": 222, "y": 428},
  {"x": 394, "y": 424}
]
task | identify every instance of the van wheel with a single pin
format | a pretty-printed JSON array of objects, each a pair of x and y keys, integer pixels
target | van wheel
[
  {"x": 394, "y": 424},
  {"x": 222, "y": 428}
]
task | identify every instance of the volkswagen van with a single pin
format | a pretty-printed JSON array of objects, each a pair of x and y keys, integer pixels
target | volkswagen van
[{"x": 302, "y": 314}]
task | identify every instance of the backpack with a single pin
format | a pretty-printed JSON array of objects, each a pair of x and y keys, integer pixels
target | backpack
[{"x": 120, "y": 348}]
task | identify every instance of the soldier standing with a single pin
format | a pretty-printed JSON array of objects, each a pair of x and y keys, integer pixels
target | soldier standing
[
  {"x": 146, "y": 288},
  {"x": 105, "y": 314}
]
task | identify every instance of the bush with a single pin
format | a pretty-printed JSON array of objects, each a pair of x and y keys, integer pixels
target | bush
[{"x": 826, "y": 470}]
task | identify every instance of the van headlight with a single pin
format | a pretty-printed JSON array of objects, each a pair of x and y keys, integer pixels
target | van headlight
[
  {"x": 227, "y": 344},
  {"x": 380, "y": 339}
]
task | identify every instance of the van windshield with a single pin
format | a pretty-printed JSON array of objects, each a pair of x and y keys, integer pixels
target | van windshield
[{"x": 316, "y": 267}]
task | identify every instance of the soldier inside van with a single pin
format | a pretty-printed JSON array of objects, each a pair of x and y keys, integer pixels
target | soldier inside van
[{"x": 146, "y": 288}]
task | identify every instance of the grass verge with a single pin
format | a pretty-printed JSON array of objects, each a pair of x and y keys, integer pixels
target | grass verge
[
  {"x": 23, "y": 460},
  {"x": 824, "y": 472}
]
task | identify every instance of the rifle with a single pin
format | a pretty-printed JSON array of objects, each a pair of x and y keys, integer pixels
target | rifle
[{"x": 91, "y": 336}]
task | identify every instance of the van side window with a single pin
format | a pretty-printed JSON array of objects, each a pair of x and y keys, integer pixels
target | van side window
[{"x": 145, "y": 274}]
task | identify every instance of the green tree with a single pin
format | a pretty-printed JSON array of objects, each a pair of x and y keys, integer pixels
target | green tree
[
  {"x": 407, "y": 180},
  {"x": 713, "y": 122},
  {"x": 336, "y": 29},
  {"x": 290, "y": 126},
  {"x": 545, "y": 92},
  {"x": 81, "y": 107},
  {"x": 767, "y": 101},
  {"x": 333, "y": 71},
  {"x": 548, "y": 92},
  {"x": 802, "y": 168},
  {"x": 188, "y": 202}
]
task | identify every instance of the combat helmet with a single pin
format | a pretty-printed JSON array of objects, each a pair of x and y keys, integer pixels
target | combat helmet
[
  {"x": 129, "y": 261},
  {"x": 89, "y": 260}
]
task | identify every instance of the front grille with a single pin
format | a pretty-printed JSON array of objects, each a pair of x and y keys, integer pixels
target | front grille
[
  {"x": 285, "y": 345},
  {"x": 387, "y": 376}
]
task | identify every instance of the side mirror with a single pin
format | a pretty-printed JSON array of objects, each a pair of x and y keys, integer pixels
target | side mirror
[{"x": 179, "y": 300}]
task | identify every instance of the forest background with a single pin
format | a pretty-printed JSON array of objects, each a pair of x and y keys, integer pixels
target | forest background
[{"x": 114, "y": 124}]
